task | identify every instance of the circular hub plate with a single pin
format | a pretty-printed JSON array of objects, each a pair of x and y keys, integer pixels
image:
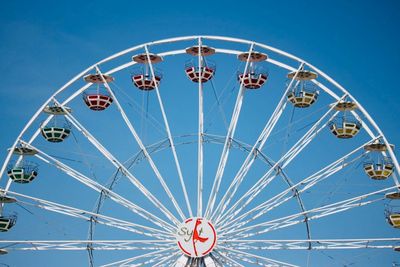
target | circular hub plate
[{"x": 196, "y": 237}]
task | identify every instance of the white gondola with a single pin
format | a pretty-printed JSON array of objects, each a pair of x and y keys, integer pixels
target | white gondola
[
  {"x": 252, "y": 79},
  {"x": 192, "y": 71},
  {"x": 345, "y": 125},
  {"x": 378, "y": 167},
  {"x": 22, "y": 173},
  {"x": 143, "y": 79},
  {"x": 394, "y": 219},
  {"x": 345, "y": 128},
  {"x": 304, "y": 92},
  {"x": 379, "y": 170},
  {"x": 55, "y": 134},
  {"x": 97, "y": 97},
  {"x": 256, "y": 76},
  {"x": 97, "y": 100},
  {"x": 206, "y": 68},
  {"x": 7, "y": 222},
  {"x": 302, "y": 98}
]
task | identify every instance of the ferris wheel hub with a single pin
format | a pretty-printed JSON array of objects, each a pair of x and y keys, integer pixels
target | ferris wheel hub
[{"x": 196, "y": 237}]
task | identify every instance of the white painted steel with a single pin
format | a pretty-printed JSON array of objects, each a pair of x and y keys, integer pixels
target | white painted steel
[
  {"x": 228, "y": 224},
  {"x": 229, "y": 135}
]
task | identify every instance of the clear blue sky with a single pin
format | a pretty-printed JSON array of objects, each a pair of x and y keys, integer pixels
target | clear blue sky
[{"x": 44, "y": 43}]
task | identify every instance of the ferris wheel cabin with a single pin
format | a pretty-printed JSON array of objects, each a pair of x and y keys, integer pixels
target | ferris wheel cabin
[
  {"x": 255, "y": 76},
  {"x": 7, "y": 222},
  {"x": 98, "y": 98},
  {"x": 381, "y": 167},
  {"x": 206, "y": 70},
  {"x": 55, "y": 134},
  {"x": 394, "y": 220},
  {"x": 196, "y": 73},
  {"x": 304, "y": 93},
  {"x": 142, "y": 77},
  {"x": 345, "y": 126},
  {"x": 23, "y": 173},
  {"x": 379, "y": 171}
]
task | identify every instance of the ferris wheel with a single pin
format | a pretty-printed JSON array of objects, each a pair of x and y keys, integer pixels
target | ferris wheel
[{"x": 200, "y": 151}]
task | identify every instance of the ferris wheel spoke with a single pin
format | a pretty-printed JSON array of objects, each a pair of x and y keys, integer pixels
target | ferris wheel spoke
[
  {"x": 230, "y": 133},
  {"x": 227, "y": 258},
  {"x": 200, "y": 137},
  {"x": 171, "y": 262},
  {"x": 219, "y": 260},
  {"x": 99, "y": 188},
  {"x": 91, "y": 216},
  {"x": 75, "y": 245},
  {"x": 312, "y": 214},
  {"x": 298, "y": 188},
  {"x": 142, "y": 147},
  {"x": 316, "y": 244},
  {"x": 163, "y": 261},
  {"x": 278, "y": 166},
  {"x": 120, "y": 166},
  {"x": 123, "y": 262},
  {"x": 171, "y": 140},
  {"x": 258, "y": 146},
  {"x": 160, "y": 260},
  {"x": 256, "y": 259}
]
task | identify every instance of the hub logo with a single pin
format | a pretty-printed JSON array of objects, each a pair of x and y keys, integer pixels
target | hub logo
[{"x": 196, "y": 237}]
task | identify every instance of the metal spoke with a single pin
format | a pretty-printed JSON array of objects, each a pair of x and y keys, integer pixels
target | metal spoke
[
  {"x": 99, "y": 188},
  {"x": 229, "y": 259},
  {"x": 165, "y": 259},
  {"x": 143, "y": 256},
  {"x": 73, "y": 245},
  {"x": 87, "y": 216},
  {"x": 119, "y": 165},
  {"x": 278, "y": 166},
  {"x": 230, "y": 133},
  {"x": 200, "y": 137},
  {"x": 316, "y": 244},
  {"x": 258, "y": 146},
  {"x": 300, "y": 187},
  {"x": 142, "y": 147},
  {"x": 312, "y": 214},
  {"x": 268, "y": 262},
  {"x": 171, "y": 140}
]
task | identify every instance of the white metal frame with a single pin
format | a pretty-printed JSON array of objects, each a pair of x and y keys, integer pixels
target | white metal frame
[{"x": 230, "y": 221}]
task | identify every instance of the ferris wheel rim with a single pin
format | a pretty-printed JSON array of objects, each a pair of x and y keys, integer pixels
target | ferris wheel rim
[{"x": 210, "y": 37}]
